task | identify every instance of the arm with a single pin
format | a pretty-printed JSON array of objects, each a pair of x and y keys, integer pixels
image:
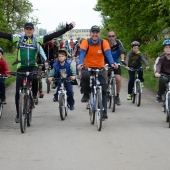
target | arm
[
  {"x": 108, "y": 56},
  {"x": 52, "y": 73},
  {"x": 82, "y": 56},
  {"x": 6, "y": 36},
  {"x": 6, "y": 67},
  {"x": 157, "y": 65},
  {"x": 72, "y": 71},
  {"x": 49, "y": 37},
  {"x": 42, "y": 53},
  {"x": 143, "y": 59}
]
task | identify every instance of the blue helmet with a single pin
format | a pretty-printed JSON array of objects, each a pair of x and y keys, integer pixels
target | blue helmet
[{"x": 166, "y": 42}]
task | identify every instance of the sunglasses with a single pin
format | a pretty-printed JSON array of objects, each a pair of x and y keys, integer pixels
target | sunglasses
[{"x": 111, "y": 36}]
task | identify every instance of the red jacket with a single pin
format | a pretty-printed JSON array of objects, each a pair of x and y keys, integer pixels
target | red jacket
[{"x": 3, "y": 66}]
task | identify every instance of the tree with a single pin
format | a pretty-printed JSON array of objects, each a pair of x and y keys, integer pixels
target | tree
[
  {"x": 42, "y": 32},
  {"x": 60, "y": 26}
]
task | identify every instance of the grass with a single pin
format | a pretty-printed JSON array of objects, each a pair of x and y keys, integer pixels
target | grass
[
  {"x": 149, "y": 80},
  {"x": 10, "y": 58}
]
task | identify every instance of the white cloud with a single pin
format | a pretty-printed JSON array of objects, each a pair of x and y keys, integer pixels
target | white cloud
[{"x": 52, "y": 12}]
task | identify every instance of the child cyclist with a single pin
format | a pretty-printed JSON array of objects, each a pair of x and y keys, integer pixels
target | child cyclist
[
  {"x": 134, "y": 59},
  {"x": 3, "y": 69},
  {"x": 63, "y": 64}
]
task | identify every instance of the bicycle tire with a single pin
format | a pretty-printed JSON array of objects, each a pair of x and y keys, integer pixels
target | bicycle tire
[
  {"x": 62, "y": 106},
  {"x": 91, "y": 109},
  {"x": 138, "y": 94},
  {"x": 99, "y": 110},
  {"x": 113, "y": 104},
  {"x": 48, "y": 87},
  {"x": 29, "y": 114},
  {"x": 133, "y": 96},
  {"x": 22, "y": 111},
  {"x": 1, "y": 109}
]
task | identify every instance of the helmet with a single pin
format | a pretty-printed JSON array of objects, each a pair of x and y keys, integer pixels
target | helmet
[
  {"x": 64, "y": 51},
  {"x": 166, "y": 42},
  {"x": 1, "y": 50},
  {"x": 135, "y": 43}
]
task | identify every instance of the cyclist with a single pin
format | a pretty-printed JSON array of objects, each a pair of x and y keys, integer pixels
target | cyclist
[
  {"x": 28, "y": 46},
  {"x": 118, "y": 51},
  {"x": 134, "y": 59},
  {"x": 63, "y": 64},
  {"x": 92, "y": 55},
  {"x": 3, "y": 69},
  {"x": 162, "y": 66}
]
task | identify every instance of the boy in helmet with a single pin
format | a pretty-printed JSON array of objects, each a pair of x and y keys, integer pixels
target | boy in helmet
[
  {"x": 63, "y": 65},
  {"x": 162, "y": 66},
  {"x": 3, "y": 69},
  {"x": 134, "y": 59}
]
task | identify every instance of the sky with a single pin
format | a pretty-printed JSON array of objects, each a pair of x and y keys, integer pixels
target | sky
[{"x": 53, "y": 12}]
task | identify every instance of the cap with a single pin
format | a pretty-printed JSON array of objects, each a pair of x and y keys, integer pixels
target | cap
[
  {"x": 95, "y": 28},
  {"x": 29, "y": 24}
]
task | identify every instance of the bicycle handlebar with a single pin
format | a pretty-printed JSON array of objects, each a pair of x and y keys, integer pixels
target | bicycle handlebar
[
  {"x": 27, "y": 73},
  {"x": 3, "y": 76},
  {"x": 133, "y": 69}
]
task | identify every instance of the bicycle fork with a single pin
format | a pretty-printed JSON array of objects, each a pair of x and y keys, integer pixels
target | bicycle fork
[{"x": 135, "y": 88}]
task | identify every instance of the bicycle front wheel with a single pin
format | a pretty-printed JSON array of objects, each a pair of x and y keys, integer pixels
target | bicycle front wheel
[
  {"x": 62, "y": 106},
  {"x": 22, "y": 111},
  {"x": 112, "y": 97},
  {"x": 138, "y": 94},
  {"x": 99, "y": 110},
  {"x": 1, "y": 109},
  {"x": 48, "y": 87},
  {"x": 91, "y": 109},
  {"x": 29, "y": 112}
]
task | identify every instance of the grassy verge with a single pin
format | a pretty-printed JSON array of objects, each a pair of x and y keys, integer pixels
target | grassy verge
[
  {"x": 150, "y": 81},
  {"x": 10, "y": 58}
]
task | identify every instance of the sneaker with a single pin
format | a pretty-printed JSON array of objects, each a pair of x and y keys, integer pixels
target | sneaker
[
  {"x": 85, "y": 98},
  {"x": 159, "y": 98},
  {"x": 53, "y": 86},
  {"x": 41, "y": 95},
  {"x": 35, "y": 99},
  {"x": 3, "y": 101},
  {"x": 72, "y": 108},
  {"x": 55, "y": 100},
  {"x": 104, "y": 115},
  {"x": 129, "y": 97},
  {"x": 117, "y": 99},
  {"x": 17, "y": 119},
  {"x": 142, "y": 85}
]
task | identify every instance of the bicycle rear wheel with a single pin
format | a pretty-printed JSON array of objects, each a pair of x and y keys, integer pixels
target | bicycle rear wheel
[
  {"x": 62, "y": 106},
  {"x": 99, "y": 110},
  {"x": 29, "y": 110},
  {"x": 48, "y": 87},
  {"x": 1, "y": 109},
  {"x": 112, "y": 97},
  {"x": 138, "y": 94},
  {"x": 22, "y": 111},
  {"x": 91, "y": 109}
]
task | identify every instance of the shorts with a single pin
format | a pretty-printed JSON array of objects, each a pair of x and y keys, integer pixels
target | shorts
[{"x": 116, "y": 71}]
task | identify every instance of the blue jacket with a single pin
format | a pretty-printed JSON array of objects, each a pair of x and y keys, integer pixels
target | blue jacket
[{"x": 66, "y": 66}]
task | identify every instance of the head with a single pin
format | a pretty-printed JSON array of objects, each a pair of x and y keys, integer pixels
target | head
[
  {"x": 29, "y": 29},
  {"x": 166, "y": 45},
  {"x": 135, "y": 46},
  {"x": 71, "y": 40},
  {"x": 95, "y": 33},
  {"x": 1, "y": 53},
  {"x": 62, "y": 55},
  {"x": 59, "y": 40},
  {"x": 111, "y": 36},
  {"x": 66, "y": 41}
]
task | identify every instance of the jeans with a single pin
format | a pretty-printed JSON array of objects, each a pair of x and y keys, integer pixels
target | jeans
[
  {"x": 69, "y": 89},
  {"x": 86, "y": 84},
  {"x": 162, "y": 85},
  {"x": 77, "y": 62},
  {"x": 132, "y": 78},
  {"x": 19, "y": 83},
  {"x": 2, "y": 89}
]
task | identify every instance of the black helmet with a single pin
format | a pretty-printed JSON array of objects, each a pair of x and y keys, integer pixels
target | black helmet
[
  {"x": 135, "y": 43},
  {"x": 1, "y": 50}
]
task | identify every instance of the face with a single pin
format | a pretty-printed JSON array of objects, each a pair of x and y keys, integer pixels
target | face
[
  {"x": 28, "y": 31},
  {"x": 167, "y": 49},
  {"x": 94, "y": 35},
  {"x": 0, "y": 55},
  {"x": 61, "y": 57},
  {"x": 111, "y": 36},
  {"x": 135, "y": 49}
]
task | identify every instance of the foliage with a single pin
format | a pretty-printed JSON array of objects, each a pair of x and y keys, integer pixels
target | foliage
[
  {"x": 60, "y": 26},
  {"x": 42, "y": 32}
]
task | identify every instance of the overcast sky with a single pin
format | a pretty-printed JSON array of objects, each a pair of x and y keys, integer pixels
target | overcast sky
[{"x": 53, "y": 12}]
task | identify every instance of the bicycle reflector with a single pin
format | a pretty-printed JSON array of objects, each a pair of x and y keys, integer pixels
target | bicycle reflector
[{"x": 24, "y": 82}]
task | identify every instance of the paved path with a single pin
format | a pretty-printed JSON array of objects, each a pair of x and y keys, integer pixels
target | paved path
[{"x": 133, "y": 138}]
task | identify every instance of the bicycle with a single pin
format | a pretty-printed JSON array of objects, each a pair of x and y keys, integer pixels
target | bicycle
[
  {"x": 47, "y": 71},
  {"x": 78, "y": 78},
  {"x": 137, "y": 89},
  {"x": 62, "y": 95},
  {"x": 26, "y": 103},
  {"x": 111, "y": 89},
  {"x": 95, "y": 105},
  {"x": 166, "y": 101},
  {"x": 1, "y": 104}
]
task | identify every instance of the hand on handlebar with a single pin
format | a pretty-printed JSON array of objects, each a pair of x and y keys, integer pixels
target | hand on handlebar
[
  {"x": 50, "y": 79},
  {"x": 72, "y": 77},
  {"x": 147, "y": 67},
  {"x": 115, "y": 66},
  {"x": 80, "y": 66},
  {"x": 157, "y": 75},
  {"x": 46, "y": 64}
]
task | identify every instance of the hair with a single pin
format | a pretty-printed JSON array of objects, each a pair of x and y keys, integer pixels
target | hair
[
  {"x": 80, "y": 41},
  {"x": 63, "y": 53},
  {"x": 110, "y": 31}
]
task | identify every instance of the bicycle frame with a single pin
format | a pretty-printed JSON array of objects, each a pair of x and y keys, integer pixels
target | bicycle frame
[{"x": 166, "y": 97}]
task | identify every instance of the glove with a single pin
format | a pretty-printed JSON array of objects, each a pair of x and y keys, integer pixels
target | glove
[{"x": 69, "y": 26}]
